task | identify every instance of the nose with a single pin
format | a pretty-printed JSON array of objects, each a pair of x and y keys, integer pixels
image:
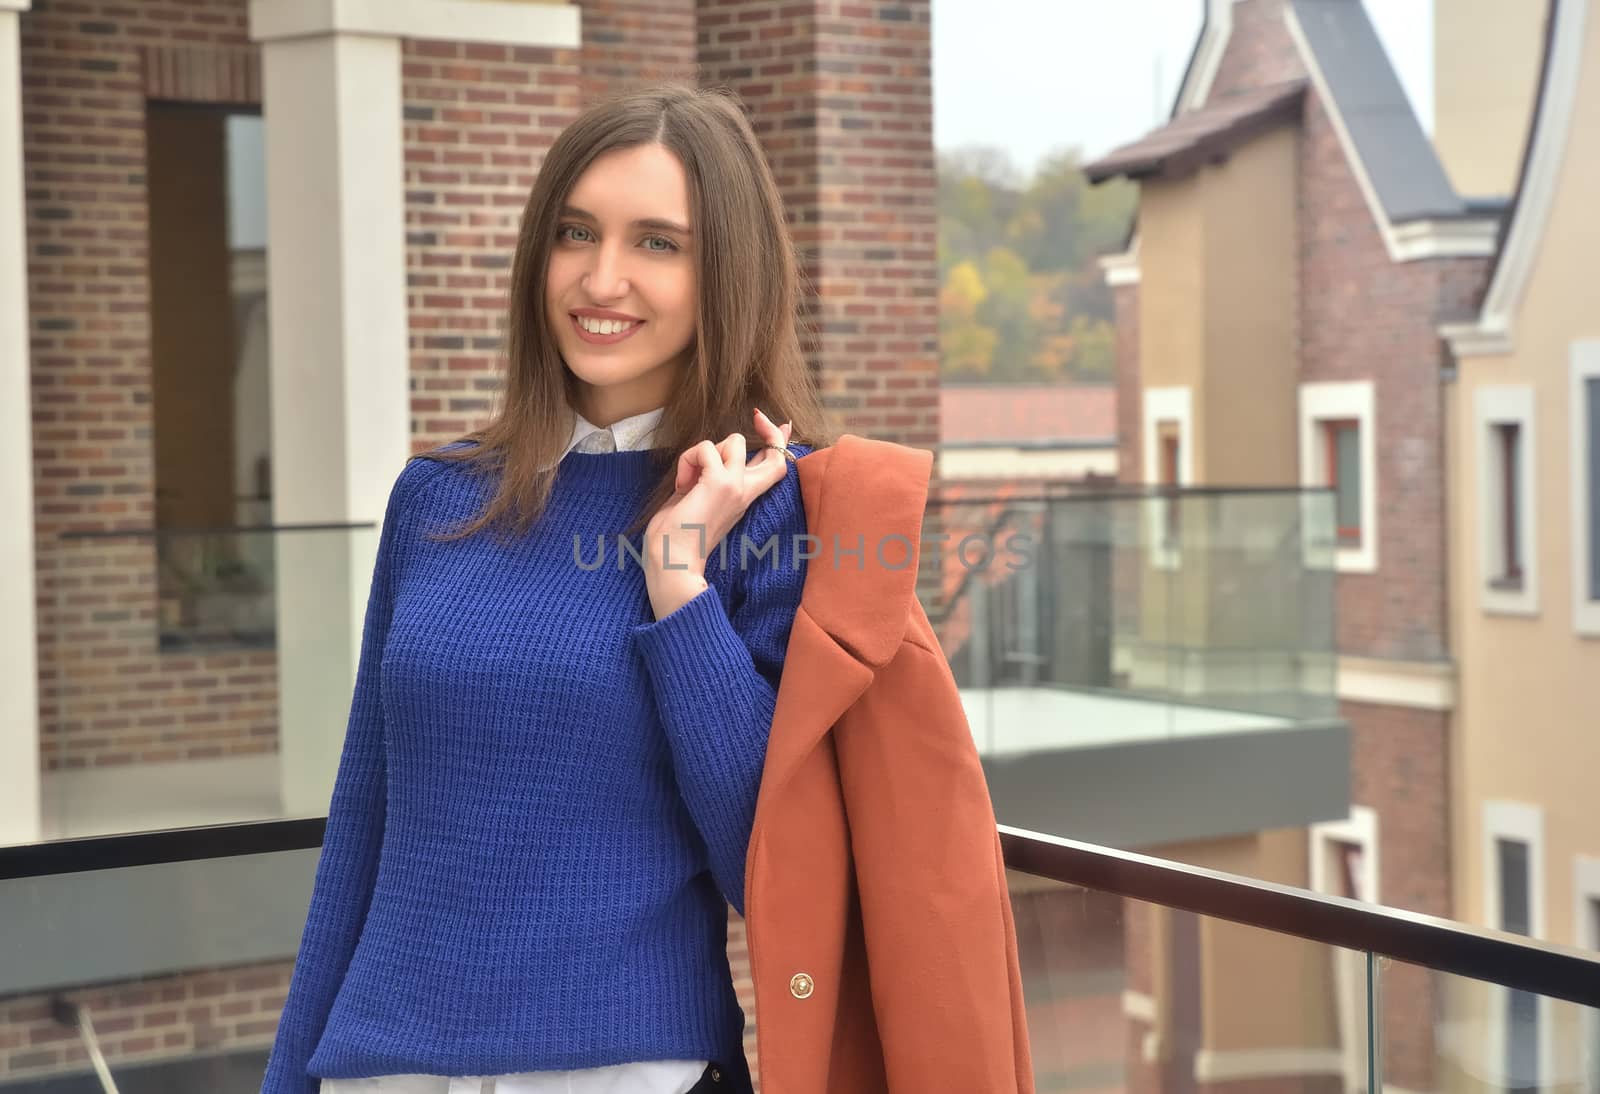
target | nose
[{"x": 605, "y": 280}]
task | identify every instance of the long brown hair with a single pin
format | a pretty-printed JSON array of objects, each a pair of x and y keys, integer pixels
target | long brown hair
[{"x": 746, "y": 350}]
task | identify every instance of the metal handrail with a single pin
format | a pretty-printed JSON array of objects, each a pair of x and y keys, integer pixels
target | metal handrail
[
  {"x": 1526, "y": 964},
  {"x": 151, "y": 532},
  {"x": 1531, "y": 965}
]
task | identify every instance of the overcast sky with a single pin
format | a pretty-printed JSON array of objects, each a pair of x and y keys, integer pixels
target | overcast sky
[{"x": 1034, "y": 75}]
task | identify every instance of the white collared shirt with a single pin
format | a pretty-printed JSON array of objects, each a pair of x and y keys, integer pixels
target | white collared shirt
[
  {"x": 628, "y": 434},
  {"x": 638, "y": 1077}
]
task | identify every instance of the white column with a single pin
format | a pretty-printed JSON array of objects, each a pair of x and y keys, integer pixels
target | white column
[
  {"x": 336, "y": 297},
  {"x": 19, "y": 694}
]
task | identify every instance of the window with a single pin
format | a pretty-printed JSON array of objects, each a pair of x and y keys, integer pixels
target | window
[
  {"x": 1168, "y": 454},
  {"x": 210, "y": 388},
  {"x": 1505, "y": 491},
  {"x": 1507, "y": 445},
  {"x": 1170, "y": 446},
  {"x": 1585, "y": 464},
  {"x": 1518, "y": 1030},
  {"x": 1343, "y": 443},
  {"x": 1338, "y": 451},
  {"x": 1522, "y": 1008}
]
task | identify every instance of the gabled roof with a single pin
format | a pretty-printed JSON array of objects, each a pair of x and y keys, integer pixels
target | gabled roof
[
  {"x": 1202, "y": 135},
  {"x": 1343, "y": 48},
  {"x": 1415, "y": 207}
]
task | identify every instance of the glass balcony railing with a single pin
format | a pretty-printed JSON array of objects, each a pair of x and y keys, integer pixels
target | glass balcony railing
[
  {"x": 171, "y": 660},
  {"x": 1144, "y": 666},
  {"x": 159, "y": 962},
  {"x": 1134, "y": 613},
  {"x": 1141, "y": 974}
]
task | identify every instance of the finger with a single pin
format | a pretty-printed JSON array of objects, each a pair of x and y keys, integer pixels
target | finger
[
  {"x": 770, "y": 431},
  {"x": 736, "y": 458},
  {"x": 771, "y": 435},
  {"x": 694, "y": 463}
]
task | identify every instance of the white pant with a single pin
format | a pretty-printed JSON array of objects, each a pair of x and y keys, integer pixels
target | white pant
[
  {"x": 639, "y": 1077},
  {"x": 411, "y": 1084}
]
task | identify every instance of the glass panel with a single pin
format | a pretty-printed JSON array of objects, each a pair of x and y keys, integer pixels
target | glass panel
[
  {"x": 1443, "y": 1032},
  {"x": 174, "y": 973},
  {"x": 170, "y": 664},
  {"x": 1123, "y": 995}
]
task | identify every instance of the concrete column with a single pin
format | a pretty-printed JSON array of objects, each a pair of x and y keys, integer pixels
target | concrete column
[
  {"x": 337, "y": 315},
  {"x": 19, "y": 662}
]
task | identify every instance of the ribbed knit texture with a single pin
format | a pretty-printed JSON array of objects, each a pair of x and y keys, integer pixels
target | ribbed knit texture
[{"x": 545, "y": 795}]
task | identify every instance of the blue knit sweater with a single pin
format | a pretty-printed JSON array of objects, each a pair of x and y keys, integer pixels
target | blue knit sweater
[{"x": 545, "y": 794}]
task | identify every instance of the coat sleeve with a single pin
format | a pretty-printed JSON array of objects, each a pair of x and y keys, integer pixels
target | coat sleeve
[
  {"x": 936, "y": 913},
  {"x": 714, "y": 672},
  {"x": 348, "y": 865}
]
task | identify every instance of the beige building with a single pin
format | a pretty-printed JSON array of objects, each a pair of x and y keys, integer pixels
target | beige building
[{"x": 1523, "y": 450}]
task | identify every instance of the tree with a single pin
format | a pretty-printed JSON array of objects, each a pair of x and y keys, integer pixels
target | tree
[
  {"x": 1022, "y": 296},
  {"x": 966, "y": 345}
]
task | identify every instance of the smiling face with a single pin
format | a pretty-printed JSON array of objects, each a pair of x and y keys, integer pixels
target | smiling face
[{"x": 622, "y": 262}]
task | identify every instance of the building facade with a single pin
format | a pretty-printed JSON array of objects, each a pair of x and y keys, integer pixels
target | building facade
[
  {"x": 1523, "y": 444},
  {"x": 1298, "y": 243}
]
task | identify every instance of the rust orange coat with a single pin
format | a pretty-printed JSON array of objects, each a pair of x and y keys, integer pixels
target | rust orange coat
[{"x": 879, "y": 927}]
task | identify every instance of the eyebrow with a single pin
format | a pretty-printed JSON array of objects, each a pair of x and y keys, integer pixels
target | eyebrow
[{"x": 648, "y": 222}]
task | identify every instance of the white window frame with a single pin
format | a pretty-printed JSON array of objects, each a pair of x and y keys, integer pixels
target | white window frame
[
  {"x": 1342, "y": 401},
  {"x": 1361, "y": 829},
  {"x": 1586, "y": 889},
  {"x": 1493, "y": 406},
  {"x": 1166, "y": 404},
  {"x": 1524, "y": 823},
  {"x": 1585, "y": 366}
]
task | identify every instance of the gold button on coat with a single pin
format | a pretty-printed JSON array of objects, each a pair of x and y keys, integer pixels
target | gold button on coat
[{"x": 800, "y": 985}]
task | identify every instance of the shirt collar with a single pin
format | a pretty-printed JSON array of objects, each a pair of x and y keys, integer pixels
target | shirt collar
[{"x": 631, "y": 433}]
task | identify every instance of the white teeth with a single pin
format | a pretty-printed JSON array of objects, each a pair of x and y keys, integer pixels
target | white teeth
[{"x": 603, "y": 326}]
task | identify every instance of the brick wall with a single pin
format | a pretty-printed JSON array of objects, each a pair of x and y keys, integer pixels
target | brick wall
[
  {"x": 1401, "y": 765},
  {"x": 1363, "y": 317},
  {"x": 1259, "y": 50},
  {"x": 627, "y": 41},
  {"x": 197, "y": 1012},
  {"x": 478, "y": 119},
  {"x": 842, "y": 97}
]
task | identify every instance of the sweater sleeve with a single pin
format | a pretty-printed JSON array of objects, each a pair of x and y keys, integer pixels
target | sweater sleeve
[
  {"x": 714, "y": 673},
  {"x": 348, "y": 865}
]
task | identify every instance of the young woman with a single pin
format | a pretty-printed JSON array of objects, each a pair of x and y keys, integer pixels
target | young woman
[{"x": 545, "y": 794}]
